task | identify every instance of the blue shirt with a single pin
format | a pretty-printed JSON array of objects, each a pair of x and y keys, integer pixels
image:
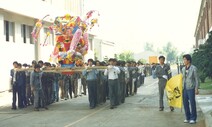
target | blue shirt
[{"x": 90, "y": 74}]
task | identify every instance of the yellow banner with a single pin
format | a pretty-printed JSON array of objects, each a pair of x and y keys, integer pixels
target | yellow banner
[{"x": 174, "y": 91}]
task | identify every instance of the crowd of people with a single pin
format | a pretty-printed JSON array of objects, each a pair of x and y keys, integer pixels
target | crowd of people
[
  {"x": 114, "y": 80},
  {"x": 32, "y": 85}
]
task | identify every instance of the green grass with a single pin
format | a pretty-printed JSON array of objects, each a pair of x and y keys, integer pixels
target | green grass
[{"x": 207, "y": 85}]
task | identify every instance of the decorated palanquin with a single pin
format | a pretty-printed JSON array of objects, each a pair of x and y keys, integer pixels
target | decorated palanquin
[{"x": 71, "y": 37}]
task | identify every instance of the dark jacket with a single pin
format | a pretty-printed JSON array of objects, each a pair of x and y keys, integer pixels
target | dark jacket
[
  {"x": 21, "y": 78},
  {"x": 159, "y": 71}
]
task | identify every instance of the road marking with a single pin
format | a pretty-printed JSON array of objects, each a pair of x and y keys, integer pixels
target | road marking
[{"x": 85, "y": 117}]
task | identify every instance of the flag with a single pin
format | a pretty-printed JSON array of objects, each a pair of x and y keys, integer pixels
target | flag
[{"x": 174, "y": 91}]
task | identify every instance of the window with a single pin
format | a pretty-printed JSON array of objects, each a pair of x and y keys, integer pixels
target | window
[
  {"x": 26, "y": 34},
  {"x": 90, "y": 44},
  {"x": 29, "y": 36},
  {"x": 9, "y": 31},
  {"x": 23, "y": 32}
]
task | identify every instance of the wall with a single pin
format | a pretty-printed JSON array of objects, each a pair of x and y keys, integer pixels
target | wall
[
  {"x": 103, "y": 48},
  {"x": 204, "y": 22},
  {"x": 107, "y": 49}
]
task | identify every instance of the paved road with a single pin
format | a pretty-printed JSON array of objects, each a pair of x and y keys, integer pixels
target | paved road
[{"x": 140, "y": 110}]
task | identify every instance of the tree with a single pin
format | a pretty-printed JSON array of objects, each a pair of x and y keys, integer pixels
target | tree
[
  {"x": 142, "y": 61},
  {"x": 148, "y": 47},
  {"x": 125, "y": 56},
  {"x": 171, "y": 52},
  {"x": 180, "y": 57},
  {"x": 201, "y": 58}
]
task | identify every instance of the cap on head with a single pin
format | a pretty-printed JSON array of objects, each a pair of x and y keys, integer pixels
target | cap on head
[
  {"x": 34, "y": 62},
  {"x": 15, "y": 62},
  {"x": 90, "y": 60},
  {"x": 111, "y": 60},
  {"x": 161, "y": 57},
  {"x": 25, "y": 65},
  {"x": 40, "y": 62},
  {"x": 37, "y": 66}
]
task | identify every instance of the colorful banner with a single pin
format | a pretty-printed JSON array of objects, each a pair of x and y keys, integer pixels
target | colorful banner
[{"x": 174, "y": 91}]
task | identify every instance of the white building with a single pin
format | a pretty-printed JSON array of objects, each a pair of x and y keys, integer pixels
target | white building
[
  {"x": 17, "y": 19},
  {"x": 103, "y": 49}
]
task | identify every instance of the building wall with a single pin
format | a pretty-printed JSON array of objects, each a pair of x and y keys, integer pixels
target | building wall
[
  {"x": 204, "y": 23},
  {"x": 16, "y": 25},
  {"x": 90, "y": 53},
  {"x": 108, "y": 49},
  {"x": 98, "y": 48},
  {"x": 103, "y": 49}
]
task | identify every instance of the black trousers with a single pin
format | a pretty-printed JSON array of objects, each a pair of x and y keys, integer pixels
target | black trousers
[
  {"x": 92, "y": 92},
  {"x": 15, "y": 91},
  {"x": 113, "y": 91}
]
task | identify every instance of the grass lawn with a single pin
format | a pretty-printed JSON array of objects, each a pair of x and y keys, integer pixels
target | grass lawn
[{"x": 207, "y": 85}]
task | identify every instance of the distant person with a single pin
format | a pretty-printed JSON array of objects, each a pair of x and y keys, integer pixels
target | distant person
[
  {"x": 153, "y": 70},
  {"x": 190, "y": 88},
  {"x": 163, "y": 72}
]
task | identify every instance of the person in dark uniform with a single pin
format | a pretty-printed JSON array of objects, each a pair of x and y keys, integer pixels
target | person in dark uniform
[
  {"x": 36, "y": 87},
  {"x": 131, "y": 73},
  {"x": 91, "y": 78},
  {"x": 134, "y": 77},
  {"x": 66, "y": 81},
  {"x": 47, "y": 80},
  {"x": 99, "y": 84},
  {"x": 21, "y": 84},
  {"x": 75, "y": 78},
  {"x": 122, "y": 82},
  {"x": 14, "y": 84},
  {"x": 28, "y": 89},
  {"x": 104, "y": 85},
  {"x": 163, "y": 73},
  {"x": 84, "y": 85},
  {"x": 55, "y": 96},
  {"x": 127, "y": 78}
]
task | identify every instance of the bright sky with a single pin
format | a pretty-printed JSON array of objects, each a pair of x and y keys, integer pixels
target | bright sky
[{"x": 131, "y": 23}]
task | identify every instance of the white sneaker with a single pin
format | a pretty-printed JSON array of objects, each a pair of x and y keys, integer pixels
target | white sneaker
[
  {"x": 186, "y": 121},
  {"x": 192, "y": 122}
]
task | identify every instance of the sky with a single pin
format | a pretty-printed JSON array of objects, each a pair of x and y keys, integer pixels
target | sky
[{"x": 132, "y": 23}]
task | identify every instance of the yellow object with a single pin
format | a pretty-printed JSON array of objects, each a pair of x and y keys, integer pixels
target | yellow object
[
  {"x": 39, "y": 24},
  {"x": 174, "y": 91},
  {"x": 48, "y": 33},
  {"x": 94, "y": 21},
  {"x": 67, "y": 17},
  {"x": 153, "y": 59}
]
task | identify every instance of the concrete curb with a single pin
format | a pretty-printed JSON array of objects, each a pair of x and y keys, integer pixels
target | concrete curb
[
  {"x": 208, "y": 121},
  {"x": 205, "y": 104}
]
